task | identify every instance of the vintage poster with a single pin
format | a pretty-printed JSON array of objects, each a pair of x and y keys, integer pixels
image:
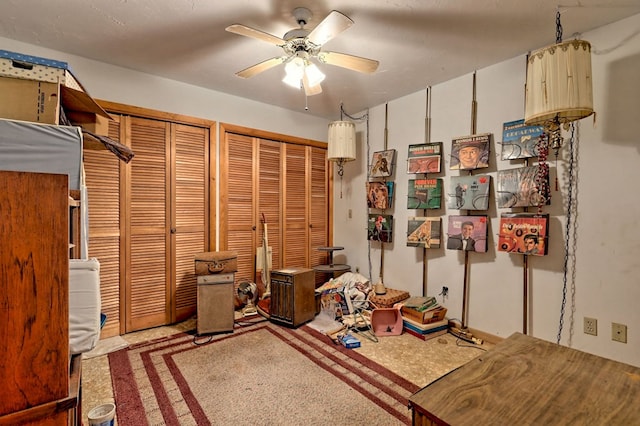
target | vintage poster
[
  {"x": 468, "y": 233},
  {"x": 424, "y": 194},
  {"x": 470, "y": 152},
  {"x": 524, "y": 233},
  {"x": 379, "y": 195},
  {"x": 424, "y": 232},
  {"x": 380, "y": 228},
  {"x": 382, "y": 163},
  {"x": 519, "y": 187},
  {"x": 469, "y": 192},
  {"x": 424, "y": 158},
  {"x": 520, "y": 140}
]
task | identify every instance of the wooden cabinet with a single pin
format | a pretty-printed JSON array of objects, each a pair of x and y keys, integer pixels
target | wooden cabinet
[
  {"x": 34, "y": 293},
  {"x": 292, "y": 296}
]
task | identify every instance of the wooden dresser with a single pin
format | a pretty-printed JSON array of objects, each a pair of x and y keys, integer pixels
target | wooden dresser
[
  {"x": 35, "y": 383},
  {"x": 528, "y": 381}
]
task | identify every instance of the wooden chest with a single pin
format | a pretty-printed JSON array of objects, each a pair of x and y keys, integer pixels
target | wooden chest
[{"x": 292, "y": 296}]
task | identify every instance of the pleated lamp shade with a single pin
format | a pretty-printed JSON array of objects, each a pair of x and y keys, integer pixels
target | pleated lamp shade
[
  {"x": 342, "y": 141},
  {"x": 559, "y": 84}
]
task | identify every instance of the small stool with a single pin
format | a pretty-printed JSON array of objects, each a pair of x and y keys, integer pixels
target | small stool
[{"x": 332, "y": 268}]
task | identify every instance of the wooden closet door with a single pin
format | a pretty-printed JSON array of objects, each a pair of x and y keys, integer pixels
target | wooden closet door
[
  {"x": 295, "y": 209},
  {"x": 189, "y": 230},
  {"x": 318, "y": 207},
  {"x": 147, "y": 235},
  {"x": 103, "y": 174}
]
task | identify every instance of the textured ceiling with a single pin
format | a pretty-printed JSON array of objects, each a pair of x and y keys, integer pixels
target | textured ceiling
[{"x": 418, "y": 43}]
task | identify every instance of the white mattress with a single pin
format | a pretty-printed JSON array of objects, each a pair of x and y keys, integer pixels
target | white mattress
[{"x": 84, "y": 305}]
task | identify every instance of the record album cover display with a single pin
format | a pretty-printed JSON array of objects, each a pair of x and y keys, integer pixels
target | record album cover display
[
  {"x": 379, "y": 195},
  {"x": 424, "y": 232},
  {"x": 469, "y": 192},
  {"x": 424, "y": 194},
  {"x": 380, "y": 228},
  {"x": 470, "y": 152},
  {"x": 382, "y": 163},
  {"x": 467, "y": 233},
  {"x": 524, "y": 233},
  {"x": 520, "y": 140},
  {"x": 424, "y": 158},
  {"x": 519, "y": 188}
]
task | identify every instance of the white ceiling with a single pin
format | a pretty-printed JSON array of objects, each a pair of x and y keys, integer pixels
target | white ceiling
[{"x": 419, "y": 43}]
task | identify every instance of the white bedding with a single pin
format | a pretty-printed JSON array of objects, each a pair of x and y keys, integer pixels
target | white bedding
[{"x": 84, "y": 305}]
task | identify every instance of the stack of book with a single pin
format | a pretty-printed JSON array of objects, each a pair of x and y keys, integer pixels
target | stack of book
[{"x": 424, "y": 317}]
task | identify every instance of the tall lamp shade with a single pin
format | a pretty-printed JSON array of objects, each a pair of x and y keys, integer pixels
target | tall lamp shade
[
  {"x": 341, "y": 142},
  {"x": 559, "y": 84}
]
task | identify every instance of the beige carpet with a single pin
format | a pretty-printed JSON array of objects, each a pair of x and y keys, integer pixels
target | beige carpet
[
  {"x": 105, "y": 346},
  {"x": 259, "y": 374}
]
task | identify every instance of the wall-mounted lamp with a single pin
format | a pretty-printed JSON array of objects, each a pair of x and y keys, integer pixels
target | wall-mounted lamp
[
  {"x": 341, "y": 144},
  {"x": 559, "y": 85}
]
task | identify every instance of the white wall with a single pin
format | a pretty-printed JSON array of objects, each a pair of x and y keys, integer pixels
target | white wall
[
  {"x": 606, "y": 259},
  {"x": 607, "y": 256}
]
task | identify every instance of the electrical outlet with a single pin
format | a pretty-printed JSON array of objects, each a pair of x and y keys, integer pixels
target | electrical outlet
[
  {"x": 618, "y": 332},
  {"x": 590, "y": 326}
]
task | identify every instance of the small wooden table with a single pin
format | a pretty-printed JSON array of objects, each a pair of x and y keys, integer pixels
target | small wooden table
[
  {"x": 332, "y": 268},
  {"x": 528, "y": 381}
]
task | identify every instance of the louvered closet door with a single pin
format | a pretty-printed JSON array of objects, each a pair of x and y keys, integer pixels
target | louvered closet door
[
  {"x": 295, "y": 207},
  {"x": 147, "y": 229},
  {"x": 240, "y": 206},
  {"x": 189, "y": 232},
  {"x": 270, "y": 196},
  {"x": 103, "y": 178},
  {"x": 318, "y": 208}
]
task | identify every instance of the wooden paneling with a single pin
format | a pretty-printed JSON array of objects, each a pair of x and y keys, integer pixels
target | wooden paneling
[{"x": 295, "y": 207}]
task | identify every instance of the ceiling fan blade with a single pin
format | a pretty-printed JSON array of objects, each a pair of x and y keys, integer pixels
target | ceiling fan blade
[
  {"x": 260, "y": 67},
  {"x": 334, "y": 23},
  {"x": 308, "y": 89},
  {"x": 253, "y": 33},
  {"x": 351, "y": 62}
]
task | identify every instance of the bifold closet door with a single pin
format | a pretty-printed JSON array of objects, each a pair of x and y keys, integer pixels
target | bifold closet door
[
  {"x": 147, "y": 220},
  {"x": 288, "y": 184}
]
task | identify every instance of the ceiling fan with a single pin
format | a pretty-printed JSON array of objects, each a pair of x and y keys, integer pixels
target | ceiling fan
[{"x": 300, "y": 46}]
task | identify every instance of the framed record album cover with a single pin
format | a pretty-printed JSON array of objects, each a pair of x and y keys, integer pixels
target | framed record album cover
[
  {"x": 424, "y": 232},
  {"x": 520, "y": 140},
  {"x": 524, "y": 233},
  {"x": 470, "y": 152},
  {"x": 424, "y": 158},
  {"x": 379, "y": 195},
  {"x": 424, "y": 194},
  {"x": 519, "y": 188},
  {"x": 469, "y": 192},
  {"x": 380, "y": 228},
  {"x": 382, "y": 163},
  {"x": 468, "y": 233}
]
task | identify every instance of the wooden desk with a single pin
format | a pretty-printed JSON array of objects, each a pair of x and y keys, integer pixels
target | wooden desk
[{"x": 528, "y": 381}]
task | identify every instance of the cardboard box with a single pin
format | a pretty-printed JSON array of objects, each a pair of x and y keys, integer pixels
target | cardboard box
[
  {"x": 28, "y": 67},
  {"x": 425, "y": 317},
  {"x": 30, "y": 100},
  {"x": 89, "y": 121},
  {"x": 38, "y": 101}
]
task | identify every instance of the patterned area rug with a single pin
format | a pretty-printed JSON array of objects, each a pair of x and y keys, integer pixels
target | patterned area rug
[{"x": 261, "y": 373}]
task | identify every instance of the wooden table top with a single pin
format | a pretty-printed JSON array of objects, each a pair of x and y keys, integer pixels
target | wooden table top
[{"x": 524, "y": 380}]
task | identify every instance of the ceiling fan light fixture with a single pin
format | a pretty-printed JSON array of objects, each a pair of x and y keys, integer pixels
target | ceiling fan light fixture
[
  {"x": 294, "y": 71},
  {"x": 314, "y": 75}
]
